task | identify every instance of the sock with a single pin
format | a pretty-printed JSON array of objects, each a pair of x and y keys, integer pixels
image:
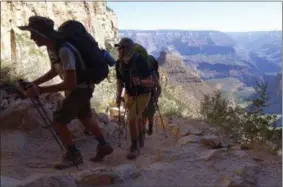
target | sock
[
  {"x": 134, "y": 144},
  {"x": 150, "y": 125},
  {"x": 73, "y": 149},
  {"x": 101, "y": 141}
]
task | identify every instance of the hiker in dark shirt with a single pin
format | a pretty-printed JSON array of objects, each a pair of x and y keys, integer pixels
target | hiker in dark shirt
[{"x": 134, "y": 74}]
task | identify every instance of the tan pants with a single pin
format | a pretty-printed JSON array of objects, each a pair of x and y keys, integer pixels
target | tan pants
[{"x": 136, "y": 105}]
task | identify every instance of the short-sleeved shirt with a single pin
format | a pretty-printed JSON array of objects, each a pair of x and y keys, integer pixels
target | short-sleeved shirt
[
  {"x": 137, "y": 66},
  {"x": 65, "y": 60}
]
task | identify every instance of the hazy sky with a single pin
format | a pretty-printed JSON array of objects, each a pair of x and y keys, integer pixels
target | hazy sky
[{"x": 222, "y": 16}]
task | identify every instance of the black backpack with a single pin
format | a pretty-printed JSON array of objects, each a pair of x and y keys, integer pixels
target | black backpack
[{"x": 93, "y": 61}]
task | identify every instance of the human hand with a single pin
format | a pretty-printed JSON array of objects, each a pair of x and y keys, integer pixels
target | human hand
[
  {"x": 33, "y": 91},
  {"x": 136, "y": 81}
]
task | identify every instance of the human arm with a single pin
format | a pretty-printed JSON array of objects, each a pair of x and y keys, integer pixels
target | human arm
[
  {"x": 68, "y": 83},
  {"x": 46, "y": 77},
  {"x": 69, "y": 72},
  {"x": 119, "y": 85}
]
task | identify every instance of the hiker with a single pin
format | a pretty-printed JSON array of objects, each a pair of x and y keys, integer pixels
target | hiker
[
  {"x": 133, "y": 73},
  {"x": 150, "y": 110},
  {"x": 66, "y": 61}
]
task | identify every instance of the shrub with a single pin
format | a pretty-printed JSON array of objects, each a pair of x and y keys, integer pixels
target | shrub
[{"x": 249, "y": 125}]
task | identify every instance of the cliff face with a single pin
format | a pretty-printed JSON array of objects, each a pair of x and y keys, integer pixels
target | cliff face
[
  {"x": 181, "y": 82},
  {"x": 17, "y": 48}
]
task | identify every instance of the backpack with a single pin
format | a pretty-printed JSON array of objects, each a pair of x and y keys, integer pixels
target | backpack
[
  {"x": 93, "y": 61},
  {"x": 140, "y": 50},
  {"x": 153, "y": 64}
]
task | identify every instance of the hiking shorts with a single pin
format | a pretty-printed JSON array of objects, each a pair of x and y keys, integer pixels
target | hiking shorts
[
  {"x": 75, "y": 105},
  {"x": 150, "y": 109},
  {"x": 136, "y": 105}
]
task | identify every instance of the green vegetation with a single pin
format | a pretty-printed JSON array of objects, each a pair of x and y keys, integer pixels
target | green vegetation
[
  {"x": 248, "y": 126},
  {"x": 8, "y": 72},
  {"x": 169, "y": 103}
]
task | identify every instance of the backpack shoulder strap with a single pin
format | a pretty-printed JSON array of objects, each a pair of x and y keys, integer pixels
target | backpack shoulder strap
[{"x": 76, "y": 53}]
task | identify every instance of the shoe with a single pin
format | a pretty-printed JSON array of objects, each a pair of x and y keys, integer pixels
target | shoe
[
  {"x": 102, "y": 151},
  {"x": 133, "y": 153},
  {"x": 141, "y": 140},
  {"x": 69, "y": 160}
]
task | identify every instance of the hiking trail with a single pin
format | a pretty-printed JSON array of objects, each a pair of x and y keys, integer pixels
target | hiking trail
[{"x": 190, "y": 156}]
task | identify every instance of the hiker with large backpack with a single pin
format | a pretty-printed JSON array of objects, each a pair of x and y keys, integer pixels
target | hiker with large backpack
[
  {"x": 77, "y": 59},
  {"x": 133, "y": 74},
  {"x": 150, "y": 110}
]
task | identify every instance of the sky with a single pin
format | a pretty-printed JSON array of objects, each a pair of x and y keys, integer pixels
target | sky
[{"x": 221, "y": 16}]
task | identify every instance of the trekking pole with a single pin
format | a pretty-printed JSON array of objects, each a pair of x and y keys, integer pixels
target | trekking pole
[
  {"x": 42, "y": 113},
  {"x": 125, "y": 125},
  {"x": 161, "y": 118},
  {"x": 27, "y": 85},
  {"x": 119, "y": 122},
  {"x": 49, "y": 126}
]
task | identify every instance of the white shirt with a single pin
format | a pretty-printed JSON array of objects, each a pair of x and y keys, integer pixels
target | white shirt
[{"x": 65, "y": 61}]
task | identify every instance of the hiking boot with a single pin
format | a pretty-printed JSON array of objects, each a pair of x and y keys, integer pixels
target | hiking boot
[
  {"x": 69, "y": 160},
  {"x": 133, "y": 153},
  {"x": 102, "y": 151},
  {"x": 141, "y": 140}
]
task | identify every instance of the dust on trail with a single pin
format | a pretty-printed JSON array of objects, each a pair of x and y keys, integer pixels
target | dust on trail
[{"x": 23, "y": 154}]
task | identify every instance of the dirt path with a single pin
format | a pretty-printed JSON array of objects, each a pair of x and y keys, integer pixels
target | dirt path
[
  {"x": 23, "y": 154},
  {"x": 161, "y": 163}
]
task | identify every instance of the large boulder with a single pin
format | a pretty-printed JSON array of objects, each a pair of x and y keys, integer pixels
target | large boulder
[{"x": 24, "y": 115}]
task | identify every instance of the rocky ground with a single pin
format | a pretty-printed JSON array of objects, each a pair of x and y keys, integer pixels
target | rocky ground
[{"x": 189, "y": 156}]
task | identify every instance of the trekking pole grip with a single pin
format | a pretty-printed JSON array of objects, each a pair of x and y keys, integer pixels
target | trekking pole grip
[{"x": 25, "y": 85}]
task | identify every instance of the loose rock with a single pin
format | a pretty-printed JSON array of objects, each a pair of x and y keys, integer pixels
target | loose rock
[
  {"x": 211, "y": 141},
  {"x": 188, "y": 139}
]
